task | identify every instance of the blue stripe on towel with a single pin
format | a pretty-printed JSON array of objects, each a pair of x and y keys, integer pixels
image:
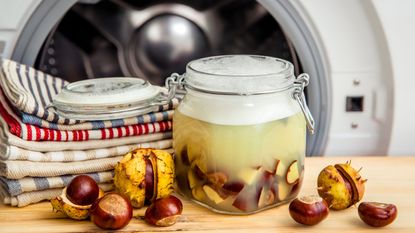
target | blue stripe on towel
[
  {"x": 95, "y": 176},
  {"x": 12, "y": 186},
  {"x": 97, "y": 124},
  {"x": 18, "y": 73},
  {"x": 66, "y": 179},
  {"x": 30, "y": 119},
  {"x": 152, "y": 117},
  {"x": 165, "y": 116},
  {"x": 41, "y": 183},
  {"x": 37, "y": 84},
  {"x": 49, "y": 95},
  {"x": 117, "y": 123},
  {"x": 140, "y": 120}
]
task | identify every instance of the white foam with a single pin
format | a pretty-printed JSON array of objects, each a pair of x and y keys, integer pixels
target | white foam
[
  {"x": 239, "y": 65},
  {"x": 238, "y": 110},
  {"x": 241, "y": 74}
]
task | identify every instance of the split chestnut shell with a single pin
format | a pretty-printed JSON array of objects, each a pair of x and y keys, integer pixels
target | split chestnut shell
[
  {"x": 341, "y": 186},
  {"x": 145, "y": 175}
]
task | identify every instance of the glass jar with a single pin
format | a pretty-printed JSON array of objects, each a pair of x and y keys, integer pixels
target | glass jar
[{"x": 239, "y": 133}]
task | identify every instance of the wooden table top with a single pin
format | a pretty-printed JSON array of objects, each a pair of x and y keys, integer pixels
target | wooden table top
[{"x": 390, "y": 179}]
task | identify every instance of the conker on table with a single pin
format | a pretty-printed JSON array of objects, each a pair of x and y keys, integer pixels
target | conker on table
[
  {"x": 82, "y": 190},
  {"x": 377, "y": 214},
  {"x": 341, "y": 186},
  {"x": 308, "y": 210},
  {"x": 112, "y": 211},
  {"x": 77, "y": 198},
  {"x": 164, "y": 211}
]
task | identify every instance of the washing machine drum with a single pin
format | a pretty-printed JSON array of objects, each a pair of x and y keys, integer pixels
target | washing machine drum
[{"x": 152, "y": 39}]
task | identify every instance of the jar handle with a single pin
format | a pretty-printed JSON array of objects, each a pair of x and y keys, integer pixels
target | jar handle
[
  {"x": 172, "y": 83},
  {"x": 298, "y": 94}
]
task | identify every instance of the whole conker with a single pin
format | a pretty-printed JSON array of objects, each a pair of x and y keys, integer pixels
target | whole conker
[
  {"x": 377, "y": 214},
  {"x": 82, "y": 190},
  {"x": 164, "y": 211},
  {"x": 308, "y": 210},
  {"x": 112, "y": 211}
]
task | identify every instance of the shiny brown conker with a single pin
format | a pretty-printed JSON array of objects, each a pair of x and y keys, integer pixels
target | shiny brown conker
[
  {"x": 309, "y": 210},
  {"x": 112, "y": 211},
  {"x": 377, "y": 214},
  {"x": 164, "y": 211},
  {"x": 82, "y": 190}
]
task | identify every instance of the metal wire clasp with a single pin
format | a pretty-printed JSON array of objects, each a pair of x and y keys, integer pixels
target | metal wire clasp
[
  {"x": 298, "y": 94},
  {"x": 173, "y": 82}
]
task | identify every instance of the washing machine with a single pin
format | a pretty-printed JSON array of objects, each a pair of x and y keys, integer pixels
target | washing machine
[{"x": 357, "y": 53}]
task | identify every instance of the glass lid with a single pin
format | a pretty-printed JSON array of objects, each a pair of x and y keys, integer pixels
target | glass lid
[
  {"x": 106, "y": 91},
  {"x": 106, "y": 98}
]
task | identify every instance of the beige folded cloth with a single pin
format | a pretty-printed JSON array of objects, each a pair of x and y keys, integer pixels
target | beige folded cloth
[
  {"x": 27, "y": 198},
  {"x": 19, "y": 169},
  {"x": 10, "y": 152}
]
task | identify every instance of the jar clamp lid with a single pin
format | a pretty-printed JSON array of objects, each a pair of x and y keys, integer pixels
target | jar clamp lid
[{"x": 108, "y": 98}]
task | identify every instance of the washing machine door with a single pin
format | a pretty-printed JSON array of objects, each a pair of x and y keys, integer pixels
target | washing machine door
[{"x": 76, "y": 40}]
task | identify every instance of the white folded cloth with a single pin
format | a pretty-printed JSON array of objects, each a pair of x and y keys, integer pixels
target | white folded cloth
[
  {"x": 19, "y": 169},
  {"x": 10, "y": 152}
]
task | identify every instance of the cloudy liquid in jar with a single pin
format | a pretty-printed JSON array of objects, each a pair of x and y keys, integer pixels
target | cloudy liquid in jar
[{"x": 239, "y": 168}]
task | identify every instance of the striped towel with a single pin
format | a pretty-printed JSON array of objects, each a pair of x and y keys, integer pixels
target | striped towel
[
  {"x": 28, "y": 198},
  {"x": 30, "y": 91},
  {"x": 33, "y": 133},
  {"x": 146, "y": 118},
  {"x": 18, "y": 169},
  {"x": 10, "y": 152},
  {"x": 45, "y": 146},
  {"x": 15, "y": 187}
]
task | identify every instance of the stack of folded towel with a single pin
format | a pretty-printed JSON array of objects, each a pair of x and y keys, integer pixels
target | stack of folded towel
[{"x": 40, "y": 151}]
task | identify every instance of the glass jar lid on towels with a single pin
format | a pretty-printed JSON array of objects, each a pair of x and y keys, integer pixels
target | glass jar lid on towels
[{"x": 108, "y": 98}]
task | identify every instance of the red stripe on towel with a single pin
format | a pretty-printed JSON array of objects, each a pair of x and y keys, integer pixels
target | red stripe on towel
[
  {"x": 46, "y": 134},
  {"x": 14, "y": 126},
  {"x": 103, "y": 134},
  {"x": 145, "y": 128},
  {"x": 75, "y": 135},
  {"x": 127, "y": 130},
  {"x": 58, "y": 135},
  {"x": 111, "y": 132}
]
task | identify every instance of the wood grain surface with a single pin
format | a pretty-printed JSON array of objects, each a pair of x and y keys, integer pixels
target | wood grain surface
[{"x": 390, "y": 179}]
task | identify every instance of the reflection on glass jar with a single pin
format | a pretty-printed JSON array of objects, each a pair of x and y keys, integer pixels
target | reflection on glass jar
[{"x": 239, "y": 152}]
